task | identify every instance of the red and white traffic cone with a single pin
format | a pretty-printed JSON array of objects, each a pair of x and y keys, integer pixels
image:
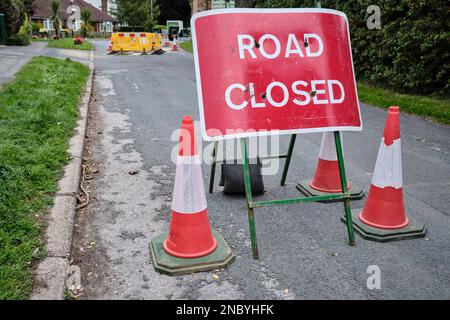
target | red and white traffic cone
[
  {"x": 191, "y": 245},
  {"x": 384, "y": 206},
  {"x": 166, "y": 41},
  {"x": 190, "y": 233},
  {"x": 383, "y": 217},
  {"x": 326, "y": 178},
  {"x": 175, "y": 43}
]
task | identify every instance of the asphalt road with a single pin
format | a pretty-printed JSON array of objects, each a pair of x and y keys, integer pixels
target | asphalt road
[{"x": 303, "y": 250}]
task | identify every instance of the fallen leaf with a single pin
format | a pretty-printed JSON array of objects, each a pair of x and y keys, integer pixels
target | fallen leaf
[
  {"x": 35, "y": 252},
  {"x": 215, "y": 276}
]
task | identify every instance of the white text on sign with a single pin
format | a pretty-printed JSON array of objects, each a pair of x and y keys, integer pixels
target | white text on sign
[
  {"x": 323, "y": 93},
  {"x": 301, "y": 93},
  {"x": 247, "y": 44}
]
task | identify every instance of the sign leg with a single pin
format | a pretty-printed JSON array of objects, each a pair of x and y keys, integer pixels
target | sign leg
[
  {"x": 248, "y": 192},
  {"x": 213, "y": 167},
  {"x": 348, "y": 212},
  {"x": 288, "y": 159}
]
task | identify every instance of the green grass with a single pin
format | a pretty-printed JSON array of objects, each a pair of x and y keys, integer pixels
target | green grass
[
  {"x": 438, "y": 109},
  {"x": 38, "y": 113},
  {"x": 67, "y": 43},
  {"x": 186, "y": 45},
  {"x": 39, "y": 40}
]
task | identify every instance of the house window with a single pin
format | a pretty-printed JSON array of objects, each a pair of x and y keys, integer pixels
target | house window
[
  {"x": 106, "y": 26},
  {"x": 77, "y": 25},
  {"x": 48, "y": 24},
  {"x": 221, "y": 4}
]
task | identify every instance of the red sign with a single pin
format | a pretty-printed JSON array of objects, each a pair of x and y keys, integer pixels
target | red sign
[{"x": 272, "y": 71}]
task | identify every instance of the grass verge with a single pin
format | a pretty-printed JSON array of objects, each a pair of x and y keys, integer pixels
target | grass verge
[
  {"x": 186, "y": 45},
  {"x": 67, "y": 43},
  {"x": 38, "y": 113},
  {"x": 438, "y": 109}
]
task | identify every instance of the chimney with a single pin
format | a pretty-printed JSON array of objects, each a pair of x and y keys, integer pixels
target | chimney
[{"x": 105, "y": 6}]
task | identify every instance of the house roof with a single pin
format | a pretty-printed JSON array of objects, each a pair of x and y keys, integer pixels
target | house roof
[{"x": 42, "y": 10}]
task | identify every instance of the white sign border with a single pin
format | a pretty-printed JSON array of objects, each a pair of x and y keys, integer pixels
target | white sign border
[{"x": 271, "y": 132}]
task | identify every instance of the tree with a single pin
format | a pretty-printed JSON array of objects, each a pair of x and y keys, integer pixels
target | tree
[
  {"x": 86, "y": 28},
  {"x": 55, "y": 18},
  {"x": 174, "y": 10},
  {"x": 29, "y": 7},
  {"x": 14, "y": 11},
  {"x": 245, "y": 3},
  {"x": 86, "y": 15},
  {"x": 138, "y": 12}
]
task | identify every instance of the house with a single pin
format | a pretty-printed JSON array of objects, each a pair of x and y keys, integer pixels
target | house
[
  {"x": 102, "y": 22},
  {"x": 107, "y": 6},
  {"x": 202, "y": 5}
]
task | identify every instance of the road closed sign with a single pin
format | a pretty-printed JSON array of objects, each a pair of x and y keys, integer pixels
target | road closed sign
[{"x": 274, "y": 71}]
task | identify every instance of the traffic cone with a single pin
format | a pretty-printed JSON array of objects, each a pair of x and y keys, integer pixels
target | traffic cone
[
  {"x": 175, "y": 43},
  {"x": 383, "y": 218},
  {"x": 326, "y": 179},
  {"x": 191, "y": 245}
]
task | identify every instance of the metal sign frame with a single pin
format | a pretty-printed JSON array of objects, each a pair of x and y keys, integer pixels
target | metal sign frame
[{"x": 344, "y": 196}]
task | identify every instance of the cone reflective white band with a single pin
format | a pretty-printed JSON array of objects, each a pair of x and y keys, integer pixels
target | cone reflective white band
[
  {"x": 328, "y": 147},
  {"x": 189, "y": 192},
  {"x": 388, "y": 167}
]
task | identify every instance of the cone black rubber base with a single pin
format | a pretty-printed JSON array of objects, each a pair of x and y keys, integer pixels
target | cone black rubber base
[
  {"x": 222, "y": 257},
  {"x": 356, "y": 192},
  {"x": 412, "y": 230}
]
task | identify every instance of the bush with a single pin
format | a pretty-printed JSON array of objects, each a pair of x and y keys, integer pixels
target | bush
[
  {"x": 20, "y": 39},
  {"x": 86, "y": 30},
  {"x": 410, "y": 52},
  {"x": 65, "y": 33},
  {"x": 36, "y": 27},
  {"x": 78, "y": 40}
]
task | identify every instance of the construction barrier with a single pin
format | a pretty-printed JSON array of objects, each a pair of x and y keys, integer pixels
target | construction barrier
[
  {"x": 250, "y": 110},
  {"x": 135, "y": 41}
]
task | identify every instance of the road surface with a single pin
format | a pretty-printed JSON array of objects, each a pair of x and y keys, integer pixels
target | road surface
[{"x": 139, "y": 102}]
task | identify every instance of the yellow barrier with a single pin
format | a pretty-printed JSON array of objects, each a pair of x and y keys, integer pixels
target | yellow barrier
[{"x": 135, "y": 41}]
